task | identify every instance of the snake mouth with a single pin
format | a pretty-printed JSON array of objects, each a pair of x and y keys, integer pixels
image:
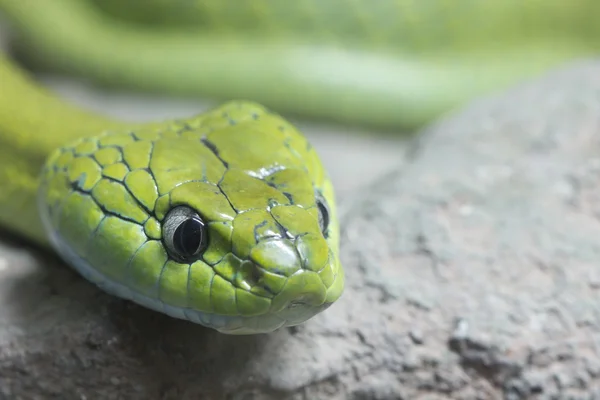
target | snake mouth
[{"x": 299, "y": 303}]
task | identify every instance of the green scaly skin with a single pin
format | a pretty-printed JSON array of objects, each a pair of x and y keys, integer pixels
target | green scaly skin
[
  {"x": 106, "y": 186},
  {"x": 386, "y": 63}
]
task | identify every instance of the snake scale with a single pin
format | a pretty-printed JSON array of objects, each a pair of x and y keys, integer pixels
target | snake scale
[{"x": 228, "y": 219}]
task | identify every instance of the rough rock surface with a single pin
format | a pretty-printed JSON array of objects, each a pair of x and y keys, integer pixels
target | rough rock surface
[{"x": 472, "y": 274}]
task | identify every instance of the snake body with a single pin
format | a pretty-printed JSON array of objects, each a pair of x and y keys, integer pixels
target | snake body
[
  {"x": 226, "y": 219},
  {"x": 385, "y": 63}
]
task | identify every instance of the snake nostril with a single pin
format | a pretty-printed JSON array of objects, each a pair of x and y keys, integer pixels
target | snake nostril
[
  {"x": 250, "y": 274},
  {"x": 254, "y": 278}
]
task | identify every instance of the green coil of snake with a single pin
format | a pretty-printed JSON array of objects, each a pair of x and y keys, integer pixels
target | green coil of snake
[
  {"x": 226, "y": 219},
  {"x": 389, "y": 64}
]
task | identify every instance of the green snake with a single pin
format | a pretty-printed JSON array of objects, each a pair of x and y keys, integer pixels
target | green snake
[
  {"x": 389, "y": 64},
  {"x": 226, "y": 219}
]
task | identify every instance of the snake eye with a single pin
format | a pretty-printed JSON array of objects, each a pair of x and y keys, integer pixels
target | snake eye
[
  {"x": 323, "y": 215},
  {"x": 184, "y": 234}
]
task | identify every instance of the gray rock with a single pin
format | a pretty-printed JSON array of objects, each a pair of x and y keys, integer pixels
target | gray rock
[{"x": 472, "y": 274}]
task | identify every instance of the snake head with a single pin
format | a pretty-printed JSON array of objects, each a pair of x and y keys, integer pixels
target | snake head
[{"x": 227, "y": 219}]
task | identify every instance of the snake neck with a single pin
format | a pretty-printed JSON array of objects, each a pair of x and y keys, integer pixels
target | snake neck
[{"x": 34, "y": 122}]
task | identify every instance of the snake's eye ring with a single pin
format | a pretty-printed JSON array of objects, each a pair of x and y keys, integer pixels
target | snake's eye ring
[
  {"x": 323, "y": 214},
  {"x": 184, "y": 234}
]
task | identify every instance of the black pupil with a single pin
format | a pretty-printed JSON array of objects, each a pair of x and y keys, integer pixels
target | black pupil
[
  {"x": 323, "y": 216},
  {"x": 188, "y": 237}
]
